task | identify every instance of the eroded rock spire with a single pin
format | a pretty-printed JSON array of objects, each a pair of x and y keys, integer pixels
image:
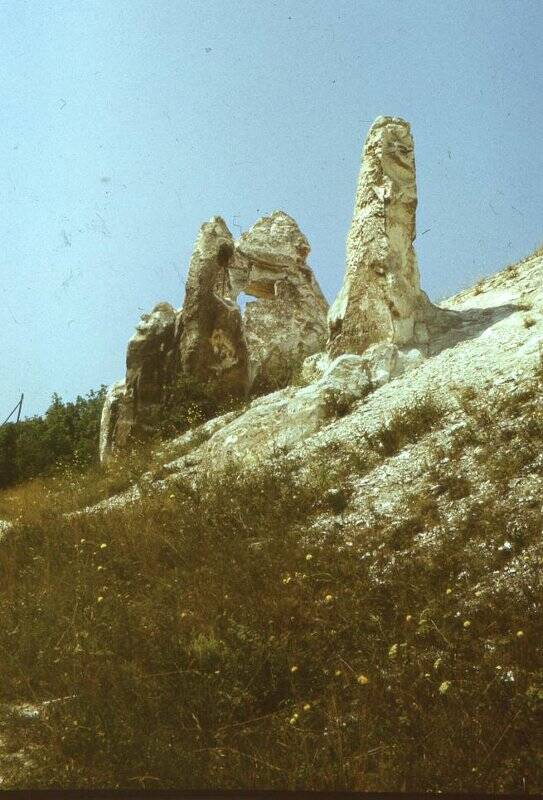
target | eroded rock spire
[
  {"x": 380, "y": 298},
  {"x": 212, "y": 345},
  {"x": 133, "y": 407}
]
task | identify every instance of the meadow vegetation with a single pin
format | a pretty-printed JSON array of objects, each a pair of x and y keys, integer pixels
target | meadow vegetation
[{"x": 202, "y": 638}]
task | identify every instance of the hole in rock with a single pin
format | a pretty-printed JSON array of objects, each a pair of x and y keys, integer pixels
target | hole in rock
[{"x": 243, "y": 298}]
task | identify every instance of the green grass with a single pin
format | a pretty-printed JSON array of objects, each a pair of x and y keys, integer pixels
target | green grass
[{"x": 205, "y": 638}]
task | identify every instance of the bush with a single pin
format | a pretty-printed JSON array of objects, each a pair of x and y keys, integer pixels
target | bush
[{"x": 67, "y": 435}]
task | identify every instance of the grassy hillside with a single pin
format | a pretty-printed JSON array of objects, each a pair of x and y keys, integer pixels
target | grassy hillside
[{"x": 202, "y": 639}]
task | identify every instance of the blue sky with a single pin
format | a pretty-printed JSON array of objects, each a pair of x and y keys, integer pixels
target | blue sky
[{"x": 127, "y": 123}]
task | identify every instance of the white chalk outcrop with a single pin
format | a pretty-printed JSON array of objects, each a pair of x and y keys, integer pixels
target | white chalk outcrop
[
  {"x": 380, "y": 296},
  {"x": 352, "y": 395},
  {"x": 287, "y": 320},
  {"x": 384, "y": 334},
  {"x": 209, "y": 340}
]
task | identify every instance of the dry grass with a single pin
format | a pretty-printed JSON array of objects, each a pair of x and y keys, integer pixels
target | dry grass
[
  {"x": 204, "y": 643},
  {"x": 407, "y": 426},
  {"x": 69, "y": 488}
]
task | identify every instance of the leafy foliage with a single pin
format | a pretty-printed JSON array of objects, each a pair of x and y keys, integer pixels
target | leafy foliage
[{"x": 67, "y": 434}]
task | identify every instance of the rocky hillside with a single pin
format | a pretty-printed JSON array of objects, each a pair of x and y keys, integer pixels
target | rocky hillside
[
  {"x": 335, "y": 585},
  {"x": 388, "y": 346}
]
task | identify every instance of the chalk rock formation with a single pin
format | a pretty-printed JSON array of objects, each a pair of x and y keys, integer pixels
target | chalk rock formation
[
  {"x": 133, "y": 407},
  {"x": 381, "y": 300},
  {"x": 110, "y": 416},
  {"x": 209, "y": 340},
  {"x": 212, "y": 345},
  {"x": 287, "y": 321},
  {"x": 279, "y": 421}
]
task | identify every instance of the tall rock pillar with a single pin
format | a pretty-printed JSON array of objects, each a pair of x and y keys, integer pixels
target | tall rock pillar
[
  {"x": 380, "y": 296},
  {"x": 212, "y": 345}
]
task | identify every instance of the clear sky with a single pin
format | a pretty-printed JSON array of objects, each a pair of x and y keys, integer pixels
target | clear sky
[{"x": 127, "y": 123}]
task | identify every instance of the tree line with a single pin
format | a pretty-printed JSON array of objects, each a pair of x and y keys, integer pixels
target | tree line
[{"x": 66, "y": 435}]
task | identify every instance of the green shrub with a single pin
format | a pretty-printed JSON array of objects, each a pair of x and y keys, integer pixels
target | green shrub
[{"x": 67, "y": 435}]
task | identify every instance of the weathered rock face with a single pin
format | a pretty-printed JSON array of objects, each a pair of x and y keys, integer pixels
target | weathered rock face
[
  {"x": 381, "y": 300},
  {"x": 212, "y": 345},
  {"x": 133, "y": 407},
  {"x": 287, "y": 322},
  {"x": 209, "y": 339},
  {"x": 110, "y": 417}
]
